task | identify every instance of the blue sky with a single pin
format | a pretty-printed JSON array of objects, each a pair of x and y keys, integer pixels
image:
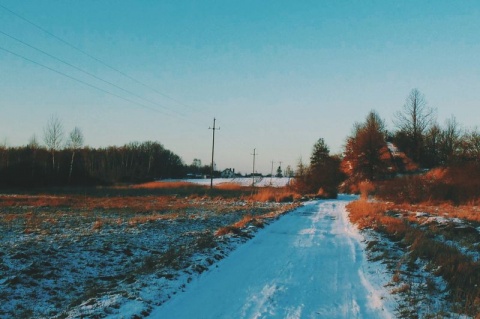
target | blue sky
[{"x": 277, "y": 75}]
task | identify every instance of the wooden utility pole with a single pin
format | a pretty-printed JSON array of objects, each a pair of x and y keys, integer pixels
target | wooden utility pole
[
  {"x": 213, "y": 150},
  {"x": 271, "y": 174},
  {"x": 253, "y": 172}
]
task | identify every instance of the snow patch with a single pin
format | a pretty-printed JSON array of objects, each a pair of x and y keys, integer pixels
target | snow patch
[
  {"x": 258, "y": 305},
  {"x": 294, "y": 313},
  {"x": 242, "y": 181},
  {"x": 375, "y": 296}
]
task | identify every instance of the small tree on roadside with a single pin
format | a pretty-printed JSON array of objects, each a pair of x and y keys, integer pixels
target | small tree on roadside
[
  {"x": 322, "y": 176},
  {"x": 366, "y": 151},
  {"x": 324, "y": 171}
]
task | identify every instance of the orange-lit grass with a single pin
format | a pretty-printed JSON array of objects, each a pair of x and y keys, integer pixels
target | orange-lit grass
[
  {"x": 237, "y": 227},
  {"x": 228, "y": 230},
  {"x": 366, "y": 214},
  {"x": 274, "y": 194},
  {"x": 230, "y": 187},
  {"x": 458, "y": 270},
  {"x": 445, "y": 209},
  {"x": 140, "y": 203},
  {"x": 249, "y": 220},
  {"x": 164, "y": 185},
  {"x": 257, "y": 221},
  {"x": 33, "y": 200}
]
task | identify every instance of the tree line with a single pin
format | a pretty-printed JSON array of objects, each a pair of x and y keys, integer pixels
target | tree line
[
  {"x": 64, "y": 160},
  {"x": 370, "y": 150}
]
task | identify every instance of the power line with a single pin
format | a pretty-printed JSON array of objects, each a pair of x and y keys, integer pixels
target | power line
[
  {"x": 86, "y": 72},
  {"x": 81, "y": 81},
  {"x": 93, "y": 57}
]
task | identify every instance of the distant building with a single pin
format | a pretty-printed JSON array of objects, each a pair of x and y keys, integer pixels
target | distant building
[{"x": 228, "y": 173}]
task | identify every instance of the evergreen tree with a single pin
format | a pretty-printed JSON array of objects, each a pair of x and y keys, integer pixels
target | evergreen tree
[{"x": 366, "y": 153}]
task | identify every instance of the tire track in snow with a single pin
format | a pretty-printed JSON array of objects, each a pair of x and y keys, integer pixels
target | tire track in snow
[{"x": 308, "y": 264}]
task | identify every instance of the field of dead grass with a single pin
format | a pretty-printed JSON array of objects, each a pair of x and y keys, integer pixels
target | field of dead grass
[
  {"x": 442, "y": 239},
  {"x": 64, "y": 251}
]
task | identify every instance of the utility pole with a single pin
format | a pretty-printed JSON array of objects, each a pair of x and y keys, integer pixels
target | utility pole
[
  {"x": 253, "y": 173},
  {"x": 271, "y": 174},
  {"x": 213, "y": 150}
]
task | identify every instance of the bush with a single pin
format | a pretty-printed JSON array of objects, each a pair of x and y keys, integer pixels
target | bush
[{"x": 459, "y": 185}]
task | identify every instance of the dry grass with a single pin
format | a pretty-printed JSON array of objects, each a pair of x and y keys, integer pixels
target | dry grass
[
  {"x": 459, "y": 185},
  {"x": 460, "y": 271},
  {"x": 129, "y": 232},
  {"x": 141, "y": 203},
  {"x": 33, "y": 200},
  {"x": 366, "y": 188},
  {"x": 273, "y": 194},
  {"x": 164, "y": 185},
  {"x": 366, "y": 214},
  {"x": 228, "y": 230},
  {"x": 106, "y": 207},
  {"x": 469, "y": 212},
  {"x": 230, "y": 187},
  {"x": 249, "y": 220},
  {"x": 258, "y": 221}
]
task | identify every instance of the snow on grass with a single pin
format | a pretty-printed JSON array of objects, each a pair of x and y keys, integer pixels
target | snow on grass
[
  {"x": 241, "y": 181},
  {"x": 56, "y": 263}
]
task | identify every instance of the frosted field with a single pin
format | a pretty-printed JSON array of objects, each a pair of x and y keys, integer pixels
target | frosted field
[{"x": 242, "y": 181}]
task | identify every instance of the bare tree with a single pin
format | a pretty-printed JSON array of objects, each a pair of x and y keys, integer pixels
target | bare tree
[
  {"x": 413, "y": 121},
  {"x": 471, "y": 145},
  {"x": 450, "y": 140},
  {"x": 74, "y": 143},
  {"x": 53, "y": 136},
  {"x": 432, "y": 145}
]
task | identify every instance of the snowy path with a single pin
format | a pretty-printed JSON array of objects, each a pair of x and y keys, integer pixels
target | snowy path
[{"x": 308, "y": 264}]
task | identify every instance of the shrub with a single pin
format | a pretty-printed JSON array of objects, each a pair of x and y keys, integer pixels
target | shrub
[{"x": 459, "y": 185}]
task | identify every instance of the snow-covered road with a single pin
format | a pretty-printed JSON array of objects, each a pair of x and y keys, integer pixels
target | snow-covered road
[{"x": 308, "y": 264}]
